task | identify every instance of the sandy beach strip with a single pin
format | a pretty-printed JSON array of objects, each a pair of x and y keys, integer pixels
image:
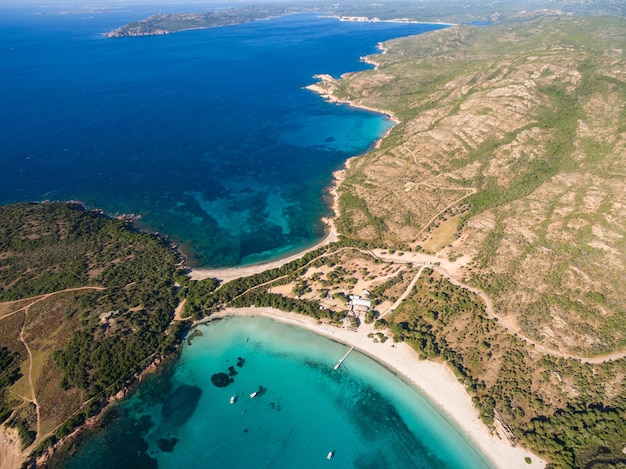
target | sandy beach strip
[
  {"x": 434, "y": 379},
  {"x": 231, "y": 273}
]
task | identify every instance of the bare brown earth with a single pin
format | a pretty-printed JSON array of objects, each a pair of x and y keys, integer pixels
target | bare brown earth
[{"x": 510, "y": 151}]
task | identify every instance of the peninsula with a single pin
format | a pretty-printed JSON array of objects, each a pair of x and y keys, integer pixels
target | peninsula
[
  {"x": 171, "y": 23},
  {"x": 452, "y": 11}
]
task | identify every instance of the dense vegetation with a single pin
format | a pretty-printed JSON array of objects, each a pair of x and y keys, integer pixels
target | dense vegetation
[
  {"x": 308, "y": 308},
  {"x": 51, "y": 247},
  {"x": 98, "y": 336},
  {"x": 9, "y": 373}
]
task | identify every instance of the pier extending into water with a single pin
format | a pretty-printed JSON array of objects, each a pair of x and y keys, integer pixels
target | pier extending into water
[{"x": 343, "y": 358}]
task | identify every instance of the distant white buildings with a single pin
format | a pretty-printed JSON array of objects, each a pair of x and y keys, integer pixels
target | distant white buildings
[{"x": 359, "y": 19}]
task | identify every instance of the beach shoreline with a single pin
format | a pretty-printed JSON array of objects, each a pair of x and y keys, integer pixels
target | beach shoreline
[
  {"x": 226, "y": 274},
  {"x": 435, "y": 380},
  {"x": 325, "y": 86}
]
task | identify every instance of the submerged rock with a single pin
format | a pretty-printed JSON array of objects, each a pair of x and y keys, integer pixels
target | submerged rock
[
  {"x": 167, "y": 444},
  {"x": 221, "y": 380}
]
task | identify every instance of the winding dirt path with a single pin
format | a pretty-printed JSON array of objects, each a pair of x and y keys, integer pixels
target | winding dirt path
[
  {"x": 31, "y": 383},
  {"x": 12, "y": 453},
  {"x": 469, "y": 191},
  {"x": 447, "y": 268},
  {"x": 178, "y": 312},
  {"x": 38, "y": 298},
  {"x": 489, "y": 308},
  {"x": 405, "y": 293}
]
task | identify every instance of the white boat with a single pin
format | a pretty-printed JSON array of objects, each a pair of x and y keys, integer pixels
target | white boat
[
  {"x": 233, "y": 399},
  {"x": 254, "y": 394},
  {"x": 330, "y": 455}
]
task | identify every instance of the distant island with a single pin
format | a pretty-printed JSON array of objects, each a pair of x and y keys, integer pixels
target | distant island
[
  {"x": 172, "y": 23},
  {"x": 450, "y": 12}
]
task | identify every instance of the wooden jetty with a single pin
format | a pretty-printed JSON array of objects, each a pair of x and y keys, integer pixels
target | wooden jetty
[{"x": 343, "y": 358}]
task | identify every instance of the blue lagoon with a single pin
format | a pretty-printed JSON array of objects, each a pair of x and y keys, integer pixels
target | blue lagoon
[{"x": 305, "y": 409}]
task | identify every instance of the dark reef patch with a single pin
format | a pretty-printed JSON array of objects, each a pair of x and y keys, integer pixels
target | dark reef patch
[
  {"x": 221, "y": 380},
  {"x": 167, "y": 444},
  {"x": 181, "y": 404},
  {"x": 123, "y": 432}
]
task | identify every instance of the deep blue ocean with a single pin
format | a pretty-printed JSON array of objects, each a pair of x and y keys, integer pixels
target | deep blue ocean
[{"x": 209, "y": 135}]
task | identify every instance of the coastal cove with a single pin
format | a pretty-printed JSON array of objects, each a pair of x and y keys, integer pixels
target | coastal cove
[
  {"x": 362, "y": 412},
  {"x": 346, "y": 132},
  {"x": 262, "y": 258}
]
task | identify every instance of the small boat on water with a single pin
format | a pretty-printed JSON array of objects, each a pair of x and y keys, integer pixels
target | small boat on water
[
  {"x": 233, "y": 399},
  {"x": 254, "y": 394},
  {"x": 330, "y": 455}
]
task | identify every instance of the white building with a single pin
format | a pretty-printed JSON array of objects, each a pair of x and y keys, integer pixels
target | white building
[{"x": 359, "y": 304}]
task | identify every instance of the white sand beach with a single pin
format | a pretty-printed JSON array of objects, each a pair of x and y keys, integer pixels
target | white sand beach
[
  {"x": 435, "y": 380},
  {"x": 231, "y": 273}
]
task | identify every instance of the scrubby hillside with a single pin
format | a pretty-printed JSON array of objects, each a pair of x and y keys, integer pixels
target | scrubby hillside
[
  {"x": 510, "y": 159},
  {"x": 511, "y": 150}
]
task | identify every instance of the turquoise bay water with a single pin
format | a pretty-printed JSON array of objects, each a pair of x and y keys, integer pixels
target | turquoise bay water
[
  {"x": 209, "y": 135},
  {"x": 363, "y": 412}
]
